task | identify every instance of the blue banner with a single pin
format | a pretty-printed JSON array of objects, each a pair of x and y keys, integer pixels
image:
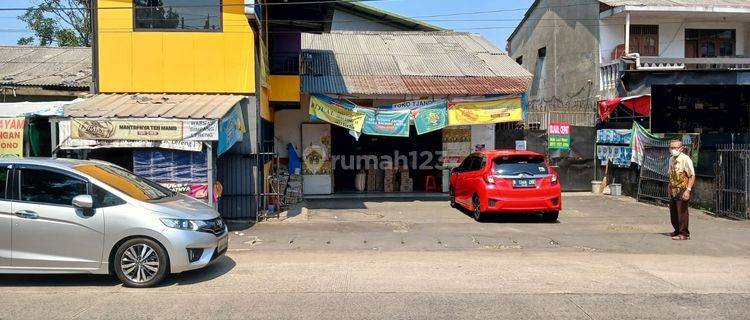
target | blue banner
[
  {"x": 231, "y": 128},
  {"x": 386, "y": 123},
  {"x": 431, "y": 117}
]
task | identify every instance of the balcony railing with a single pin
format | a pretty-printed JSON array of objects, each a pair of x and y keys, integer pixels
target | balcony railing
[
  {"x": 284, "y": 63},
  {"x": 658, "y": 63}
]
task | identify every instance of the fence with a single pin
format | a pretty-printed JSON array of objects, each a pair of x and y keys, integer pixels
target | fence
[
  {"x": 654, "y": 178},
  {"x": 733, "y": 181}
]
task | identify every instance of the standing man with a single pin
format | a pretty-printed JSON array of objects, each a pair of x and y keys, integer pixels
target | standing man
[{"x": 681, "y": 180}]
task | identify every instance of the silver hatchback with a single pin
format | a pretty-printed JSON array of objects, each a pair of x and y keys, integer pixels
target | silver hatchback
[{"x": 75, "y": 216}]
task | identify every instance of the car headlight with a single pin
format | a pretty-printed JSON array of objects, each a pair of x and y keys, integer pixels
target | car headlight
[{"x": 183, "y": 224}]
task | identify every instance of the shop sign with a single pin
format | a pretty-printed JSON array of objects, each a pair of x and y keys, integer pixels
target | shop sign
[
  {"x": 414, "y": 104},
  {"x": 230, "y": 130},
  {"x": 114, "y": 129},
  {"x": 467, "y": 112},
  {"x": 11, "y": 136},
  {"x": 386, "y": 123},
  {"x": 200, "y": 130},
  {"x": 431, "y": 117},
  {"x": 325, "y": 109},
  {"x": 67, "y": 143},
  {"x": 559, "y": 136}
]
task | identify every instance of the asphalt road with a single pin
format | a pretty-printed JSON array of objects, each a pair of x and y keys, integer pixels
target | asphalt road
[{"x": 606, "y": 258}]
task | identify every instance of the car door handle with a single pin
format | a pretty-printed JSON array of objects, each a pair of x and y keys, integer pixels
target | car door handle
[{"x": 28, "y": 214}]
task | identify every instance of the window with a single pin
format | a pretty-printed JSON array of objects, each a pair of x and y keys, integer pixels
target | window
[
  {"x": 644, "y": 39},
  {"x": 542, "y": 52},
  {"x": 188, "y": 15},
  {"x": 710, "y": 43},
  {"x": 519, "y": 60},
  {"x": 49, "y": 187},
  {"x": 514, "y": 165},
  {"x": 3, "y": 182},
  {"x": 104, "y": 198},
  {"x": 126, "y": 182}
]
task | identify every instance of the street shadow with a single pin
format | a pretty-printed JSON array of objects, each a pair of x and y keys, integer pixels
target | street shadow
[
  {"x": 531, "y": 217},
  {"x": 220, "y": 267}
]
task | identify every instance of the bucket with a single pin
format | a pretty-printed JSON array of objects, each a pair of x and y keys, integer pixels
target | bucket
[
  {"x": 615, "y": 189},
  {"x": 595, "y": 186}
]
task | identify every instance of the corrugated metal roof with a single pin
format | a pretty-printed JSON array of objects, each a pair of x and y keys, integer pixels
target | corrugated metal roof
[
  {"x": 179, "y": 106},
  {"x": 680, "y": 3},
  {"x": 374, "y": 63},
  {"x": 45, "y": 66}
]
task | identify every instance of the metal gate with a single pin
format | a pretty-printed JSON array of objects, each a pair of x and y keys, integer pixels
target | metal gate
[{"x": 733, "y": 181}]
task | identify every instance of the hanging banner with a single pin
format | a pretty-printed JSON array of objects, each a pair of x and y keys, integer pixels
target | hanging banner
[
  {"x": 114, "y": 129},
  {"x": 68, "y": 143},
  {"x": 464, "y": 112},
  {"x": 431, "y": 117},
  {"x": 328, "y": 110},
  {"x": 613, "y": 136},
  {"x": 11, "y": 136},
  {"x": 559, "y": 136},
  {"x": 386, "y": 123},
  {"x": 231, "y": 129}
]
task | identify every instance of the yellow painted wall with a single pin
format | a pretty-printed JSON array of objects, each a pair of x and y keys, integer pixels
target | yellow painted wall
[
  {"x": 265, "y": 107},
  {"x": 284, "y": 88},
  {"x": 177, "y": 61}
]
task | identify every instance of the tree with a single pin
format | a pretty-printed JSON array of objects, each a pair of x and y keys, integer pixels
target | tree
[{"x": 65, "y": 23}]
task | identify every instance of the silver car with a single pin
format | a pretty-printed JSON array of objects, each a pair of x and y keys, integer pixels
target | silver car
[{"x": 75, "y": 216}]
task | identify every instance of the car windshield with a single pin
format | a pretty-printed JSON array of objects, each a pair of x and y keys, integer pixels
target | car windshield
[
  {"x": 126, "y": 182},
  {"x": 515, "y": 165}
]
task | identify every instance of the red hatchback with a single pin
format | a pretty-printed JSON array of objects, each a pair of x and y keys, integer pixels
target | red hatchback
[{"x": 506, "y": 181}]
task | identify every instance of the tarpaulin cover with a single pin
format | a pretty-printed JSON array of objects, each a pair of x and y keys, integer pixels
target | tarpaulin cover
[
  {"x": 170, "y": 166},
  {"x": 636, "y": 83},
  {"x": 641, "y": 105}
]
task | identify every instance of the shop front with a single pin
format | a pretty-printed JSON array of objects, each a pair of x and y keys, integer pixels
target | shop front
[{"x": 174, "y": 140}]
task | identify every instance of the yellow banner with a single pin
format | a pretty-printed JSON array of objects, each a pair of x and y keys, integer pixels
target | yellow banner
[
  {"x": 126, "y": 129},
  {"x": 11, "y": 137},
  {"x": 485, "y": 111},
  {"x": 337, "y": 115}
]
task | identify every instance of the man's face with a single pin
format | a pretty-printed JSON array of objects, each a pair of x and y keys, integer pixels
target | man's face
[{"x": 675, "y": 146}]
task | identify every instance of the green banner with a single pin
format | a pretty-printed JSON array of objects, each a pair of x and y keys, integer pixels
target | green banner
[
  {"x": 386, "y": 123},
  {"x": 431, "y": 117}
]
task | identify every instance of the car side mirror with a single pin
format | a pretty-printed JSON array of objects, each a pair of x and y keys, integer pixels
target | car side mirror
[{"x": 85, "y": 203}]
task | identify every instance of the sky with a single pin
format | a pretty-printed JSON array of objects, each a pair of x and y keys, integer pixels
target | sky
[{"x": 458, "y": 15}]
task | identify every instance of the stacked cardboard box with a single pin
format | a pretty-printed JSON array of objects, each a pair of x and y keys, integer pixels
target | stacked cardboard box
[
  {"x": 389, "y": 181},
  {"x": 407, "y": 183},
  {"x": 371, "y": 179},
  {"x": 294, "y": 189}
]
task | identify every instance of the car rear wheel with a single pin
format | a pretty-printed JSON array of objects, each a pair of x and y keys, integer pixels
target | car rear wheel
[
  {"x": 550, "y": 216},
  {"x": 141, "y": 263},
  {"x": 477, "y": 208},
  {"x": 452, "y": 194}
]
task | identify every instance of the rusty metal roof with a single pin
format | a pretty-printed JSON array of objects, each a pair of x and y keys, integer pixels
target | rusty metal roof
[
  {"x": 407, "y": 62},
  {"x": 178, "y": 106},
  {"x": 45, "y": 66}
]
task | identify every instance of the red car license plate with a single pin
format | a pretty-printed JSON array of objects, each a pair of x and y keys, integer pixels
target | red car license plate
[{"x": 524, "y": 183}]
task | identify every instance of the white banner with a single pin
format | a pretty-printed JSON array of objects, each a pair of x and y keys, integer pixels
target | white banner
[{"x": 68, "y": 143}]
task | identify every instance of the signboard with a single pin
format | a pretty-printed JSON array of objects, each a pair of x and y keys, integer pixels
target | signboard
[
  {"x": 325, "y": 109},
  {"x": 386, "y": 123},
  {"x": 67, "y": 143},
  {"x": 230, "y": 130},
  {"x": 414, "y": 104},
  {"x": 145, "y": 129},
  {"x": 431, "y": 117},
  {"x": 559, "y": 136},
  {"x": 521, "y": 145},
  {"x": 466, "y": 112},
  {"x": 11, "y": 136}
]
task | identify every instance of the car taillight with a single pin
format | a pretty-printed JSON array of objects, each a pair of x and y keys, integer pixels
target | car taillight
[
  {"x": 489, "y": 178},
  {"x": 554, "y": 179}
]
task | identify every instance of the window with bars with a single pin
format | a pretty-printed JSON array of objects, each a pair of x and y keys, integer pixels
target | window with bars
[{"x": 644, "y": 40}]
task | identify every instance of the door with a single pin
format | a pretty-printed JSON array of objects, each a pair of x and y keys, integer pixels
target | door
[
  {"x": 465, "y": 188},
  {"x": 5, "y": 220},
  {"x": 473, "y": 178},
  {"x": 48, "y": 232}
]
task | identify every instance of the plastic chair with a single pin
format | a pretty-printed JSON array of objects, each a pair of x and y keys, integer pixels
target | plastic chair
[{"x": 429, "y": 184}]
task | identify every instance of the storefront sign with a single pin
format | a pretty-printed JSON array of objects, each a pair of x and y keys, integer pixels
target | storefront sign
[
  {"x": 559, "y": 136},
  {"x": 68, "y": 143},
  {"x": 230, "y": 130},
  {"x": 431, "y": 117},
  {"x": 465, "y": 112},
  {"x": 414, "y": 104},
  {"x": 325, "y": 109},
  {"x": 200, "y": 130},
  {"x": 386, "y": 123},
  {"x": 11, "y": 136},
  {"x": 114, "y": 129}
]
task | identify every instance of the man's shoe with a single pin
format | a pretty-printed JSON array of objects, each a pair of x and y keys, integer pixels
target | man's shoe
[
  {"x": 674, "y": 234},
  {"x": 680, "y": 237}
]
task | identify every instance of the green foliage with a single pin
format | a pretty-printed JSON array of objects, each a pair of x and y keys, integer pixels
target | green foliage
[{"x": 63, "y": 23}]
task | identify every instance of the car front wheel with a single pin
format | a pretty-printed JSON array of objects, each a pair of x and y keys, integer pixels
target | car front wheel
[{"x": 141, "y": 263}]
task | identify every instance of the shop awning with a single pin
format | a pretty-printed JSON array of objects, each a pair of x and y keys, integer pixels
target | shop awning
[
  {"x": 165, "y": 106},
  {"x": 640, "y": 105},
  {"x": 174, "y": 121}
]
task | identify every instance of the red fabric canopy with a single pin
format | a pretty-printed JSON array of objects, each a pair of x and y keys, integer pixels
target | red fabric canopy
[{"x": 641, "y": 105}]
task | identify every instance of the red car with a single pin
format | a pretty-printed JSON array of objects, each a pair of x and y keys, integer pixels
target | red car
[{"x": 506, "y": 181}]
